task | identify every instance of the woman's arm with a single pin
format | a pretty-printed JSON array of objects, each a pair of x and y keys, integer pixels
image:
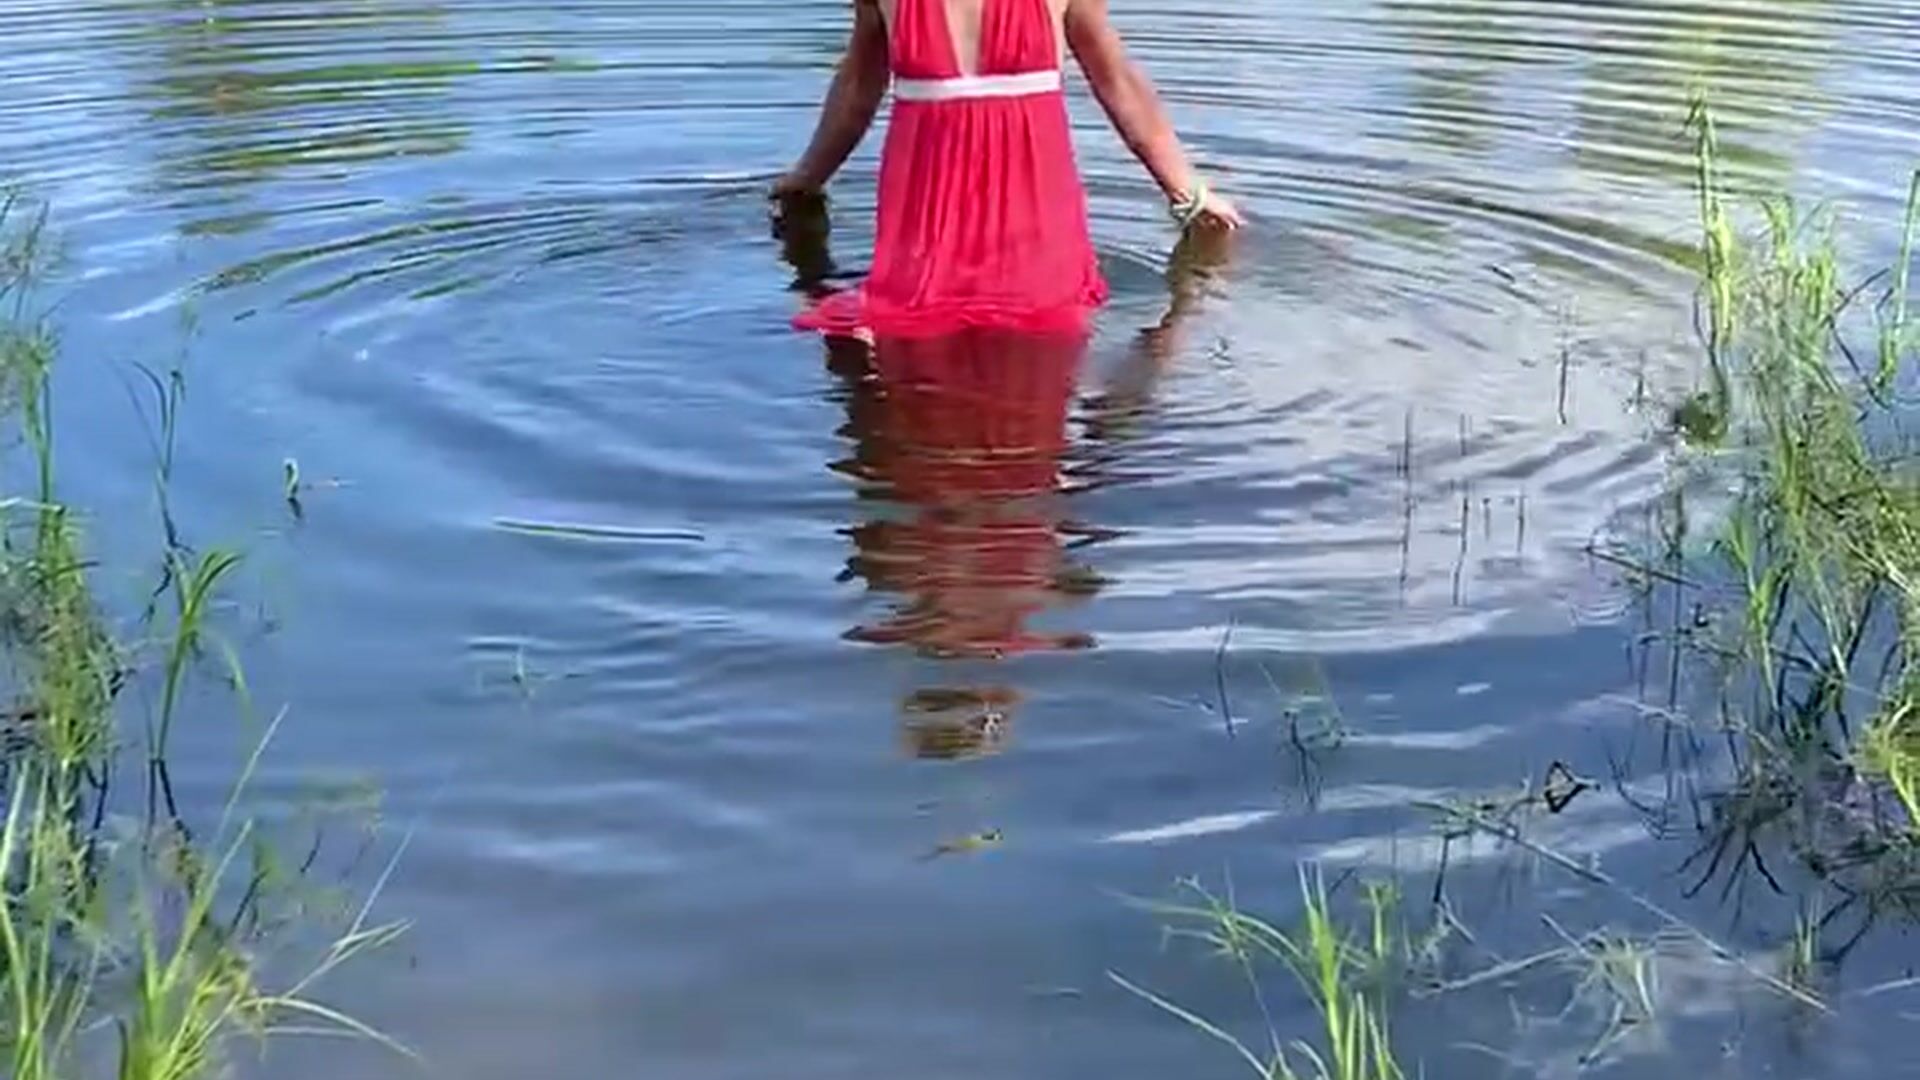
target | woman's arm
[
  {"x": 852, "y": 101},
  {"x": 1132, "y": 104}
]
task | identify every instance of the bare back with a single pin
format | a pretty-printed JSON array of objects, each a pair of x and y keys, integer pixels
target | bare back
[
  {"x": 911, "y": 44},
  {"x": 963, "y": 23}
]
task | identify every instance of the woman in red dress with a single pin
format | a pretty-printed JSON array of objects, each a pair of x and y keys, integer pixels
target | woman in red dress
[{"x": 982, "y": 216}]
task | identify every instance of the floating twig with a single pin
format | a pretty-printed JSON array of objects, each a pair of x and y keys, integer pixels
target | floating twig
[{"x": 599, "y": 532}]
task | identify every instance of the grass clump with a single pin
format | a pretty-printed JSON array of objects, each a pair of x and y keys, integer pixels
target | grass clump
[
  {"x": 129, "y": 945},
  {"x": 1817, "y": 553},
  {"x": 1342, "y": 970}
]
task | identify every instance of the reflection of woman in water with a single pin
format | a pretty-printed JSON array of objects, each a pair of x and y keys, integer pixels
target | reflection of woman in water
[
  {"x": 964, "y": 434},
  {"x": 959, "y": 442}
]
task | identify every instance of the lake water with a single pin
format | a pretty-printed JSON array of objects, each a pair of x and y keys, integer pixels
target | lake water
[{"x": 691, "y": 656}]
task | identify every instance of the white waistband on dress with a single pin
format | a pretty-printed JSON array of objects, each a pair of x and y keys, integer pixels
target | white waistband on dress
[{"x": 978, "y": 86}]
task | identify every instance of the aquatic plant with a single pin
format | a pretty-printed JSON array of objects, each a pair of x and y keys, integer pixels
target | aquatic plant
[
  {"x": 124, "y": 943},
  {"x": 1801, "y": 608},
  {"x": 1341, "y": 970},
  {"x": 1824, "y": 535}
]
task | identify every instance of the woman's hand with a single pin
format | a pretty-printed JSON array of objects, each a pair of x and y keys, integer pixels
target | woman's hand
[
  {"x": 797, "y": 203},
  {"x": 1217, "y": 211},
  {"x": 1196, "y": 205}
]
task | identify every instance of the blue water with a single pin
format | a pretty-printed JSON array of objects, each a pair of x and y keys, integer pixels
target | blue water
[{"x": 478, "y": 264}]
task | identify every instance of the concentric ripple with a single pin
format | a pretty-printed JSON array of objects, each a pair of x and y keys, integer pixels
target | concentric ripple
[{"x": 698, "y": 650}]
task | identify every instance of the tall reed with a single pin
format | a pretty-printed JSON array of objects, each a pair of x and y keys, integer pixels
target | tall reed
[{"x": 121, "y": 952}]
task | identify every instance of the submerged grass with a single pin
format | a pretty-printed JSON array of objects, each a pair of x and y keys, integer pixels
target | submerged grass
[
  {"x": 1342, "y": 971},
  {"x": 126, "y": 945}
]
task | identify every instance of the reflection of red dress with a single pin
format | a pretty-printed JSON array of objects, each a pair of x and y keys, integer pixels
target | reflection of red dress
[
  {"x": 982, "y": 217},
  {"x": 966, "y": 432}
]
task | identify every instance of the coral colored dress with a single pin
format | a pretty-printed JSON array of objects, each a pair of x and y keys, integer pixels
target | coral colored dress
[{"x": 982, "y": 217}]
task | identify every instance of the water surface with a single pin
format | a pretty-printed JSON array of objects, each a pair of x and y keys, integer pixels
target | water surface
[{"x": 688, "y": 774}]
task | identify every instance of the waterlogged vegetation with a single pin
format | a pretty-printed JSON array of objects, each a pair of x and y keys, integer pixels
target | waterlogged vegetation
[
  {"x": 1822, "y": 539},
  {"x": 137, "y": 939},
  {"x": 1788, "y": 725},
  {"x": 1346, "y": 975},
  {"x": 563, "y": 534}
]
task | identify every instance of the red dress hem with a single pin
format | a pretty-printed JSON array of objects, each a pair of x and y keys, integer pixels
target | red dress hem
[{"x": 852, "y": 314}]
